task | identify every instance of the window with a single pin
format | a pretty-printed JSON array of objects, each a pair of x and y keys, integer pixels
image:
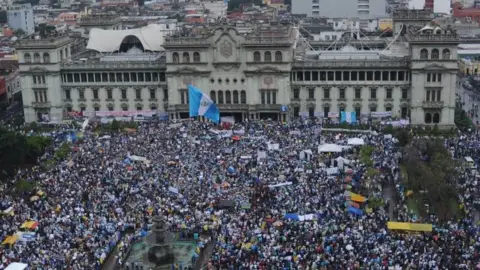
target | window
[
  {"x": 124, "y": 93},
  {"x": 393, "y": 75},
  {"x": 153, "y": 107},
  {"x": 311, "y": 111},
  {"x": 228, "y": 97},
  {"x": 67, "y": 94},
  {"x": 311, "y": 93},
  {"x": 90, "y": 77},
  {"x": 389, "y": 93},
  {"x": 186, "y": 57},
  {"x": 326, "y": 93},
  {"x": 358, "y": 93},
  {"x": 141, "y": 77},
  {"x": 404, "y": 112},
  {"x": 152, "y": 94},
  {"x": 342, "y": 93},
  {"x": 220, "y": 97},
  {"x": 404, "y": 93},
  {"x": 433, "y": 95},
  {"x": 424, "y": 54},
  {"x": 36, "y": 58},
  {"x": 243, "y": 97},
  {"x": 278, "y": 56},
  {"x": 83, "y": 77},
  {"x": 124, "y": 107},
  {"x": 95, "y": 93},
  {"x": 235, "y": 97},
  {"x": 138, "y": 94},
  {"x": 82, "y": 108},
  {"x": 436, "y": 118},
  {"x": 326, "y": 110},
  {"x": 175, "y": 58},
  {"x": 373, "y": 93},
  {"x": 435, "y": 54},
  {"x": 446, "y": 54},
  {"x": 196, "y": 57},
  {"x": 139, "y": 107},
  {"x": 357, "y": 112},
  {"x": 262, "y": 97},
  {"x": 119, "y": 77},
  {"x": 353, "y": 76},
  {"x": 81, "y": 94},
  {"x": 110, "y": 107},
  {"x": 213, "y": 96},
  {"x": 267, "y": 57},
  {"x": 296, "y": 93},
  {"x": 428, "y": 118},
  {"x": 401, "y": 75},
  {"x": 373, "y": 109},
  {"x": 61, "y": 55},
  {"x": 96, "y": 108},
  {"x": 46, "y": 58},
  {"x": 388, "y": 108},
  {"x": 109, "y": 94},
  {"x": 28, "y": 58},
  {"x": 257, "y": 57}
]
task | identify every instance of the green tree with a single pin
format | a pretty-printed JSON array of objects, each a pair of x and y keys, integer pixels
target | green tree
[
  {"x": 12, "y": 151},
  {"x": 19, "y": 32},
  {"x": 115, "y": 126}
]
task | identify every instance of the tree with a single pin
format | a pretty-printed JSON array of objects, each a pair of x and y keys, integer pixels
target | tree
[
  {"x": 45, "y": 30},
  {"x": 12, "y": 151},
  {"x": 19, "y": 32},
  {"x": 431, "y": 174}
]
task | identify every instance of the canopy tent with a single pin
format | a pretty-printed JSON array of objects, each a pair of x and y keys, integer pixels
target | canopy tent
[
  {"x": 326, "y": 148},
  {"x": 226, "y": 204},
  {"x": 10, "y": 240},
  {"x": 151, "y": 37},
  {"x": 17, "y": 266},
  {"x": 405, "y": 226},
  {"x": 355, "y": 141},
  {"x": 306, "y": 154}
]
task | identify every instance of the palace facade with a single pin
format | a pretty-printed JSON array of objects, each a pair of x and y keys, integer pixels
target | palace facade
[{"x": 263, "y": 72}]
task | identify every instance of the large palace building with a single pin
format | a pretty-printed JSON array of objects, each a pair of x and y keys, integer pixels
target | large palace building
[{"x": 255, "y": 72}]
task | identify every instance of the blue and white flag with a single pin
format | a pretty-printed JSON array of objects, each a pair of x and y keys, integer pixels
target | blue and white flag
[
  {"x": 201, "y": 105},
  {"x": 349, "y": 117}
]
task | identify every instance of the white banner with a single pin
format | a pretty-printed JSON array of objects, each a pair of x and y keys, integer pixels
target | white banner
[{"x": 124, "y": 113}]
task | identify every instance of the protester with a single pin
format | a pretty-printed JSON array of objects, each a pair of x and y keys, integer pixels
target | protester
[{"x": 246, "y": 186}]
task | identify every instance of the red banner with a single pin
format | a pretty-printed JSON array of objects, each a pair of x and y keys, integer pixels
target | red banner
[{"x": 3, "y": 86}]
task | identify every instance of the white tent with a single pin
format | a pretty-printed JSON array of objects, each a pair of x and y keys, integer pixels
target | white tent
[
  {"x": 325, "y": 148},
  {"x": 151, "y": 37},
  {"x": 355, "y": 141},
  {"x": 16, "y": 266},
  {"x": 306, "y": 154}
]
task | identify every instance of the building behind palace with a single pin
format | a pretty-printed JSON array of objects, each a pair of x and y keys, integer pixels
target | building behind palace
[
  {"x": 21, "y": 17},
  {"x": 263, "y": 71}
]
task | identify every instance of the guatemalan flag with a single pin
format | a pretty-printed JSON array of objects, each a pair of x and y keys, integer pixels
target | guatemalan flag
[
  {"x": 349, "y": 117},
  {"x": 201, "y": 105}
]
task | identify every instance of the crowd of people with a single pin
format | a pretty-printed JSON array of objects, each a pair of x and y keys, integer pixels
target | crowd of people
[{"x": 270, "y": 199}]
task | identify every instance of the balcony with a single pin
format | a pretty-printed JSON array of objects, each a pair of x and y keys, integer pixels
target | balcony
[
  {"x": 39, "y": 105},
  {"x": 39, "y": 86},
  {"x": 233, "y": 107},
  {"x": 433, "y": 104}
]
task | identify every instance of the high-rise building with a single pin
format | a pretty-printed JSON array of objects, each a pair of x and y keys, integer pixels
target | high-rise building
[
  {"x": 21, "y": 17},
  {"x": 363, "y": 9}
]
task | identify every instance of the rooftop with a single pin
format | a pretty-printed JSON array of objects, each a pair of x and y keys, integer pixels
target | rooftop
[
  {"x": 94, "y": 20},
  {"x": 412, "y": 14},
  {"x": 36, "y": 42},
  {"x": 431, "y": 33}
]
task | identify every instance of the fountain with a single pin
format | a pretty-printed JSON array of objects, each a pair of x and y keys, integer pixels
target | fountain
[
  {"x": 159, "y": 249},
  {"x": 161, "y": 242}
]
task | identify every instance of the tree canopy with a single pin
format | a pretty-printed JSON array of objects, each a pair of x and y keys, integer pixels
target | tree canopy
[
  {"x": 431, "y": 175},
  {"x": 16, "y": 150}
]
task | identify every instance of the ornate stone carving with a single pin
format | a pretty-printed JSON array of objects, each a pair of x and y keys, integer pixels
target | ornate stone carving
[
  {"x": 187, "y": 80},
  {"x": 268, "y": 80},
  {"x": 226, "y": 49}
]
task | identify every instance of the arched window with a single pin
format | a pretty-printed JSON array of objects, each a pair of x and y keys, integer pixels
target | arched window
[
  {"x": 46, "y": 57},
  {"x": 220, "y": 97},
  {"x": 435, "y": 54},
  {"x": 28, "y": 58},
  {"x": 36, "y": 58},
  {"x": 61, "y": 55},
  {"x": 446, "y": 54},
  {"x": 175, "y": 57},
  {"x": 428, "y": 118},
  {"x": 66, "y": 52},
  {"x": 257, "y": 57},
  {"x": 278, "y": 56},
  {"x": 228, "y": 97},
  {"x": 235, "y": 97},
  {"x": 186, "y": 57},
  {"x": 213, "y": 96},
  {"x": 267, "y": 57},
  {"x": 243, "y": 97},
  {"x": 424, "y": 54},
  {"x": 196, "y": 57},
  {"x": 436, "y": 118}
]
